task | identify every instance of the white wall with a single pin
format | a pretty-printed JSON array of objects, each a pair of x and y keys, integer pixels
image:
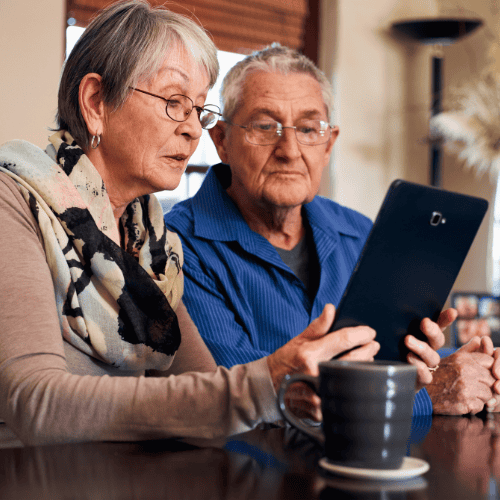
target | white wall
[
  {"x": 31, "y": 56},
  {"x": 381, "y": 105},
  {"x": 383, "y": 87}
]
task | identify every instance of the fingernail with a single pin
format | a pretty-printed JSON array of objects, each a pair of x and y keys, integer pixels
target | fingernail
[
  {"x": 413, "y": 343},
  {"x": 492, "y": 402}
]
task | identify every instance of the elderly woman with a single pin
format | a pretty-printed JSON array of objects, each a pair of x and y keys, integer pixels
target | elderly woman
[{"x": 91, "y": 281}]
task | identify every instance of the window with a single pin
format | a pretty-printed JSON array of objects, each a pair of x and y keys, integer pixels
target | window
[{"x": 205, "y": 154}]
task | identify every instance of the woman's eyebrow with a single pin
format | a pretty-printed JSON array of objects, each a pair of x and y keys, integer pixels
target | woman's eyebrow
[
  {"x": 181, "y": 85},
  {"x": 177, "y": 79},
  {"x": 184, "y": 75}
]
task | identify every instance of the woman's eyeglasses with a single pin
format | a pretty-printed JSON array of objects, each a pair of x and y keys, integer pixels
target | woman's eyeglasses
[{"x": 179, "y": 108}]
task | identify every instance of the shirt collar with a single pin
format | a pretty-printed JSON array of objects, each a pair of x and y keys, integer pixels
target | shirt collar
[
  {"x": 330, "y": 218},
  {"x": 216, "y": 216}
]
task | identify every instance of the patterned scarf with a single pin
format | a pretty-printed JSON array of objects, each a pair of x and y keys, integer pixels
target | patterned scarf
[{"x": 113, "y": 304}]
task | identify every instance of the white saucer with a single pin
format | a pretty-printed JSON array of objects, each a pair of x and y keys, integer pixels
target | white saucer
[{"x": 411, "y": 467}]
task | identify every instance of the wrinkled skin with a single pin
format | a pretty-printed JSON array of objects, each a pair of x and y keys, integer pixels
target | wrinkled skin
[{"x": 467, "y": 380}]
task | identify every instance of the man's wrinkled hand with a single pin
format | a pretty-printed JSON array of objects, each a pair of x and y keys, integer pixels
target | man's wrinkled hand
[
  {"x": 464, "y": 382},
  {"x": 423, "y": 354}
]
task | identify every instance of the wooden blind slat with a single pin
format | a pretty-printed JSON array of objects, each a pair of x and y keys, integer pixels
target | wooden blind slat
[
  {"x": 297, "y": 7},
  {"x": 235, "y": 25}
]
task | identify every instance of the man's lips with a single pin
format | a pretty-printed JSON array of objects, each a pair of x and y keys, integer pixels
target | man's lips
[{"x": 287, "y": 172}]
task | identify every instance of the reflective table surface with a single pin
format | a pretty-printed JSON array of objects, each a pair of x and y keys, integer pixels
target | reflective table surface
[{"x": 273, "y": 463}]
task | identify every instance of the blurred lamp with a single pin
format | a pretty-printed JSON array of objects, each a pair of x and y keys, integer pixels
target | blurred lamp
[{"x": 436, "y": 31}]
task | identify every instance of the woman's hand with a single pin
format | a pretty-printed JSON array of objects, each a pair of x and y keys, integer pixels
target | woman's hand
[{"x": 303, "y": 353}]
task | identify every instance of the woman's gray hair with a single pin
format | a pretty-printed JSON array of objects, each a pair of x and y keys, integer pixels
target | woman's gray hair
[
  {"x": 125, "y": 43},
  {"x": 276, "y": 59}
]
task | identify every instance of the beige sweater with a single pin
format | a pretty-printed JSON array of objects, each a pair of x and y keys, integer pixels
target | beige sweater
[{"x": 51, "y": 392}]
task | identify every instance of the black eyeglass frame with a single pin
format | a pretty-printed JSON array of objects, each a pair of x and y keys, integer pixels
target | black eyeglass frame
[
  {"x": 278, "y": 133},
  {"x": 199, "y": 109}
]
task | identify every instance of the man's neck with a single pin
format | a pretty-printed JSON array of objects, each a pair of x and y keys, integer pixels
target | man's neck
[{"x": 283, "y": 227}]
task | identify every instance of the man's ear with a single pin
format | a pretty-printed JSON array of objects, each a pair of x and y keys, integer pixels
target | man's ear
[
  {"x": 218, "y": 136},
  {"x": 91, "y": 104},
  {"x": 330, "y": 143}
]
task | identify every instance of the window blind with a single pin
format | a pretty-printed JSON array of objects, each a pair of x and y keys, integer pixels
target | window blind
[{"x": 236, "y": 25}]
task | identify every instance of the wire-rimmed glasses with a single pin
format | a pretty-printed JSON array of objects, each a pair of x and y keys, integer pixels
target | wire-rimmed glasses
[
  {"x": 179, "y": 107},
  {"x": 267, "y": 132}
]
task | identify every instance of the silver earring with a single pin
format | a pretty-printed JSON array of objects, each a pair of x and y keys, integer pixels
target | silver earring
[{"x": 92, "y": 145}]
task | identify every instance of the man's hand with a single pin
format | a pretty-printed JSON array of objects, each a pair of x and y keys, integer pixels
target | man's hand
[
  {"x": 493, "y": 404},
  {"x": 303, "y": 353},
  {"x": 423, "y": 354},
  {"x": 464, "y": 382}
]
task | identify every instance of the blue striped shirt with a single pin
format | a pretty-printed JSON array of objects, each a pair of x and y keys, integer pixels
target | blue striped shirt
[{"x": 244, "y": 300}]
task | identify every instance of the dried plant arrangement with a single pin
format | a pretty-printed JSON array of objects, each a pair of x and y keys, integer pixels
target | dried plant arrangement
[{"x": 471, "y": 128}]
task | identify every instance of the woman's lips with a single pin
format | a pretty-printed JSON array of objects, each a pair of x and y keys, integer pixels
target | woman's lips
[
  {"x": 179, "y": 157},
  {"x": 177, "y": 161}
]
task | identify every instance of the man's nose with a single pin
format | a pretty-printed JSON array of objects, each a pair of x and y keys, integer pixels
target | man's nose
[{"x": 287, "y": 145}]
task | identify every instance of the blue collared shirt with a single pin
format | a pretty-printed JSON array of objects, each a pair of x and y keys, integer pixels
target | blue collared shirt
[{"x": 244, "y": 300}]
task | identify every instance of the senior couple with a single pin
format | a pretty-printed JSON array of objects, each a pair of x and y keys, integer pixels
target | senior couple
[{"x": 95, "y": 340}]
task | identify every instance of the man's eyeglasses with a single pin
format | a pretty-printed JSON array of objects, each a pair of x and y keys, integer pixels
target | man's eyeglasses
[
  {"x": 179, "y": 108},
  {"x": 267, "y": 132}
]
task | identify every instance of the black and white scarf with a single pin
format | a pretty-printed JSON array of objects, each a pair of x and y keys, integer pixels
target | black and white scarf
[{"x": 114, "y": 304}]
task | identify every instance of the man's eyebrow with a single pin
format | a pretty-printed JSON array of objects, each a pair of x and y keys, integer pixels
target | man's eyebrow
[
  {"x": 263, "y": 111},
  {"x": 311, "y": 113},
  {"x": 307, "y": 113}
]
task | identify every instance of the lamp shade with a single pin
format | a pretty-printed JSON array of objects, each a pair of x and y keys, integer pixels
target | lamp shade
[{"x": 443, "y": 31}]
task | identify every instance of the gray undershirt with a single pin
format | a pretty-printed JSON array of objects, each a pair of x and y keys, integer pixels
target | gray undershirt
[{"x": 303, "y": 262}]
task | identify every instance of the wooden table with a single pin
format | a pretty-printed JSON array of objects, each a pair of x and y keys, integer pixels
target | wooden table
[{"x": 268, "y": 464}]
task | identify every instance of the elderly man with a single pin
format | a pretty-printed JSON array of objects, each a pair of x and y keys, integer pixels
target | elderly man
[{"x": 264, "y": 254}]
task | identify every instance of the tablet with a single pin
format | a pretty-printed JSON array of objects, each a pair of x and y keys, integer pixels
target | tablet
[{"x": 409, "y": 263}]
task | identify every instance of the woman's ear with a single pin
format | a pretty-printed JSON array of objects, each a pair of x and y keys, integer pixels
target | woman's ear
[
  {"x": 91, "y": 105},
  {"x": 218, "y": 136}
]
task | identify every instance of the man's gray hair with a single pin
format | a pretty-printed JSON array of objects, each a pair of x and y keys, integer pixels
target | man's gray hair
[
  {"x": 127, "y": 42},
  {"x": 276, "y": 59}
]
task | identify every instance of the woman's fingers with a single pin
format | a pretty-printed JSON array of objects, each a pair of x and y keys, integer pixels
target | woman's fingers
[
  {"x": 366, "y": 352},
  {"x": 303, "y": 401}
]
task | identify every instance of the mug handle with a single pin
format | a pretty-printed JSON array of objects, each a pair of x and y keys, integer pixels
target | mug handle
[{"x": 313, "y": 382}]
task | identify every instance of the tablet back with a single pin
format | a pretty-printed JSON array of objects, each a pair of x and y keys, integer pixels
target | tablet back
[{"x": 409, "y": 263}]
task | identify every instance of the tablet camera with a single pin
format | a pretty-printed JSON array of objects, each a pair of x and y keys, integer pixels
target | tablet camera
[{"x": 436, "y": 218}]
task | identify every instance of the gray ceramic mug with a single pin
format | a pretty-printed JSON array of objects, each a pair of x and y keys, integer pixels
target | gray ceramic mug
[{"x": 367, "y": 409}]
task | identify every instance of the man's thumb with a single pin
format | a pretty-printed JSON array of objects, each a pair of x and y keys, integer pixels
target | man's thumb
[{"x": 473, "y": 345}]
